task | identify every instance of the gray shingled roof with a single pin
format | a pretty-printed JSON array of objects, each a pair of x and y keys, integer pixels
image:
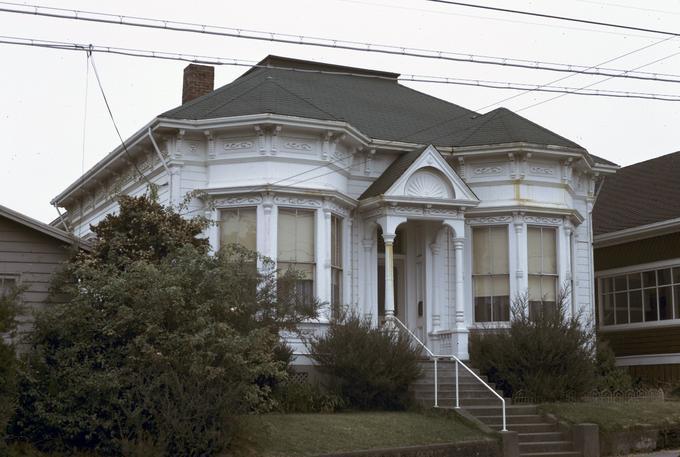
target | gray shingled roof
[
  {"x": 375, "y": 103},
  {"x": 639, "y": 194},
  {"x": 392, "y": 173}
]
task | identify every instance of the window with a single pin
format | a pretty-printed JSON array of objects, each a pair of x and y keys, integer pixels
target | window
[
  {"x": 644, "y": 296},
  {"x": 296, "y": 248},
  {"x": 336, "y": 263},
  {"x": 239, "y": 226},
  {"x": 490, "y": 273},
  {"x": 7, "y": 284},
  {"x": 542, "y": 256}
]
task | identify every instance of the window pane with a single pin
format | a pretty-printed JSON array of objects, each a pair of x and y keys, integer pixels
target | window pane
[
  {"x": 502, "y": 308},
  {"x": 607, "y": 285},
  {"x": 336, "y": 241},
  {"x": 621, "y": 303},
  {"x": 295, "y": 236},
  {"x": 549, "y": 251},
  {"x": 7, "y": 285},
  {"x": 499, "y": 250},
  {"x": 649, "y": 297},
  {"x": 620, "y": 283},
  {"x": 664, "y": 276},
  {"x": 535, "y": 293},
  {"x": 501, "y": 286},
  {"x": 665, "y": 302},
  {"x": 482, "y": 309},
  {"x": 608, "y": 309},
  {"x": 676, "y": 296},
  {"x": 634, "y": 281},
  {"x": 239, "y": 226},
  {"x": 483, "y": 286},
  {"x": 635, "y": 301},
  {"x": 649, "y": 278},
  {"x": 534, "y": 249},
  {"x": 676, "y": 275},
  {"x": 549, "y": 288},
  {"x": 481, "y": 249}
]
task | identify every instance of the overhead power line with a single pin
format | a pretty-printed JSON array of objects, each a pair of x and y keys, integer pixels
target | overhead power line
[
  {"x": 162, "y": 24},
  {"x": 405, "y": 78},
  {"x": 556, "y": 17}
]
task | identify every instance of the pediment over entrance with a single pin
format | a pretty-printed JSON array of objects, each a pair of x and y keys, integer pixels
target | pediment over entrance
[{"x": 422, "y": 174}]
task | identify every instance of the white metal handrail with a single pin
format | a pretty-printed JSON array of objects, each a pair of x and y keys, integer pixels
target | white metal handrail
[{"x": 436, "y": 357}]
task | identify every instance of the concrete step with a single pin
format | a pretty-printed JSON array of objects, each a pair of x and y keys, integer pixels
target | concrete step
[
  {"x": 540, "y": 427},
  {"x": 497, "y": 410},
  {"x": 551, "y": 454},
  {"x": 511, "y": 420},
  {"x": 545, "y": 446},
  {"x": 472, "y": 384},
  {"x": 541, "y": 436},
  {"x": 475, "y": 395}
]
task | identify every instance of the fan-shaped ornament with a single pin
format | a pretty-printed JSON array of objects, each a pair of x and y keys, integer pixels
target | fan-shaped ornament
[{"x": 428, "y": 185}]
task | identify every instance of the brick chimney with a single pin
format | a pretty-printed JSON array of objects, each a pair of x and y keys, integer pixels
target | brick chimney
[{"x": 198, "y": 80}]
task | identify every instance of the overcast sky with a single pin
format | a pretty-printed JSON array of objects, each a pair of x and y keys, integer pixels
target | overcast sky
[{"x": 42, "y": 91}]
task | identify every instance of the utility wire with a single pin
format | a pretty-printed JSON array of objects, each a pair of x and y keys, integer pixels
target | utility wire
[
  {"x": 161, "y": 24},
  {"x": 405, "y": 78},
  {"x": 113, "y": 120},
  {"x": 557, "y": 17}
]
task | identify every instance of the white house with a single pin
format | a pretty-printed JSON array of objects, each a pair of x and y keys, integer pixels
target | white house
[{"x": 390, "y": 200}]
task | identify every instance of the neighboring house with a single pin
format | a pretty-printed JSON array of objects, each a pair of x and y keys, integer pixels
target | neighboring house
[
  {"x": 30, "y": 253},
  {"x": 636, "y": 223},
  {"x": 389, "y": 200}
]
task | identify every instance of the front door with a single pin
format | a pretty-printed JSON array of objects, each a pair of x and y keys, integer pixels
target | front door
[{"x": 399, "y": 308}]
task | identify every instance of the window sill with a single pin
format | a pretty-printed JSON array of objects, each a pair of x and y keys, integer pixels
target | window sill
[{"x": 640, "y": 325}]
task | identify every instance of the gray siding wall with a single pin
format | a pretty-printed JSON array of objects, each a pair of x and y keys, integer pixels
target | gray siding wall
[{"x": 32, "y": 256}]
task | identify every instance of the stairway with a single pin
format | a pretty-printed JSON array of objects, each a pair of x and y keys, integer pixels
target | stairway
[{"x": 537, "y": 436}]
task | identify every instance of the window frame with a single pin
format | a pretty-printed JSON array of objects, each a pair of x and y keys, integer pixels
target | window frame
[
  {"x": 238, "y": 209},
  {"x": 555, "y": 276},
  {"x": 16, "y": 277},
  {"x": 290, "y": 263},
  {"x": 475, "y": 276},
  {"x": 337, "y": 268},
  {"x": 672, "y": 264}
]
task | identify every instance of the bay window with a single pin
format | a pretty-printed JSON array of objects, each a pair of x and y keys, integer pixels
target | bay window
[
  {"x": 295, "y": 248},
  {"x": 542, "y": 266},
  {"x": 490, "y": 273}
]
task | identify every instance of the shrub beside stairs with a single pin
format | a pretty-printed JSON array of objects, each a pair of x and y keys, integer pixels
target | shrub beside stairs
[{"x": 537, "y": 436}]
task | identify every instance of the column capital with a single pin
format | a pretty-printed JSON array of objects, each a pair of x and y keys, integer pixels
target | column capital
[
  {"x": 458, "y": 243},
  {"x": 389, "y": 238},
  {"x": 367, "y": 243},
  {"x": 435, "y": 248}
]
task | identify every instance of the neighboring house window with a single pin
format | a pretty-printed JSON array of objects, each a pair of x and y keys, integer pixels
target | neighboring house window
[
  {"x": 239, "y": 226},
  {"x": 542, "y": 254},
  {"x": 490, "y": 274},
  {"x": 296, "y": 248},
  {"x": 7, "y": 284},
  {"x": 642, "y": 296},
  {"x": 336, "y": 263}
]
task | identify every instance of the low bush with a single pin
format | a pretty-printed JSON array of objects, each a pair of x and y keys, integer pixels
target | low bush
[
  {"x": 547, "y": 353},
  {"x": 371, "y": 368},
  {"x": 301, "y": 397}
]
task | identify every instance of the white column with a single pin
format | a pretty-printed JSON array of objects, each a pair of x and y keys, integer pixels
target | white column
[
  {"x": 267, "y": 233},
  {"x": 434, "y": 298},
  {"x": 389, "y": 274},
  {"x": 369, "y": 306},
  {"x": 347, "y": 265},
  {"x": 322, "y": 278},
  {"x": 461, "y": 329},
  {"x": 213, "y": 230}
]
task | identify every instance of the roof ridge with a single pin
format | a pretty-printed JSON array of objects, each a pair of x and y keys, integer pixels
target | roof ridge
[
  {"x": 475, "y": 128},
  {"x": 237, "y": 96},
  {"x": 664, "y": 156},
  {"x": 545, "y": 129}
]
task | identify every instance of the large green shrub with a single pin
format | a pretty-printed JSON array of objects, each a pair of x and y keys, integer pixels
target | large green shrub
[
  {"x": 372, "y": 367},
  {"x": 547, "y": 354},
  {"x": 157, "y": 345}
]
